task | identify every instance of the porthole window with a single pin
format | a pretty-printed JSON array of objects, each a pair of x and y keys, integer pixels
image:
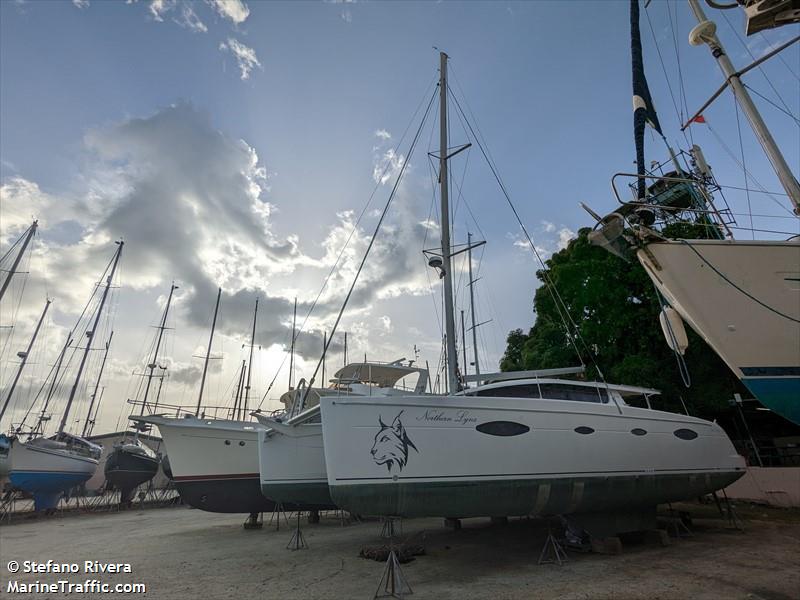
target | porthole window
[
  {"x": 227, "y": 442},
  {"x": 502, "y": 428},
  {"x": 685, "y": 434},
  {"x": 584, "y": 430},
  {"x": 241, "y": 443},
  {"x": 638, "y": 431}
]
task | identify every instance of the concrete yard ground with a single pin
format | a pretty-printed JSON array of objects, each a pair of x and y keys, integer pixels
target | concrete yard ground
[{"x": 184, "y": 553}]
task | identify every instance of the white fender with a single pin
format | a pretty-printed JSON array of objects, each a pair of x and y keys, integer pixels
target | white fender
[{"x": 670, "y": 319}]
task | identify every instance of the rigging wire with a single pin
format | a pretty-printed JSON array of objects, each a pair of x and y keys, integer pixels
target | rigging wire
[
  {"x": 347, "y": 242},
  {"x": 780, "y": 58},
  {"x": 371, "y": 242},
  {"x": 768, "y": 101},
  {"x": 559, "y": 303},
  {"x": 752, "y": 56},
  {"x": 741, "y": 166}
]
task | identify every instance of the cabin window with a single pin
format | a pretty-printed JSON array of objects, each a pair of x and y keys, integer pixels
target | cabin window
[
  {"x": 241, "y": 443},
  {"x": 638, "y": 431},
  {"x": 584, "y": 430},
  {"x": 502, "y": 428},
  {"x": 227, "y": 442},
  {"x": 511, "y": 391},
  {"x": 548, "y": 391},
  {"x": 685, "y": 434}
]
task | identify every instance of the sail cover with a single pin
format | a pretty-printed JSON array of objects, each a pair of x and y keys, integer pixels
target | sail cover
[{"x": 643, "y": 109}]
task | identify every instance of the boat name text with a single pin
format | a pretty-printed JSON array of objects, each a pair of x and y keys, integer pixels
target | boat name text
[{"x": 460, "y": 417}]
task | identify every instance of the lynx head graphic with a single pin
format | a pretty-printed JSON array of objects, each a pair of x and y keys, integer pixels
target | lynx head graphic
[{"x": 391, "y": 444}]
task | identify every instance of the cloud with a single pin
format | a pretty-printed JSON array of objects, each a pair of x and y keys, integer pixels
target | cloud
[
  {"x": 157, "y": 8},
  {"x": 383, "y": 134},
  {"x": 235, "y": 10},
  {"x": 189, "y": 19},
  {"x": 346, "y": 16},
  {"x": 565, "y": 234},
  {"x": 245, "y": 56},
  {"x": 81, "y": 3}
]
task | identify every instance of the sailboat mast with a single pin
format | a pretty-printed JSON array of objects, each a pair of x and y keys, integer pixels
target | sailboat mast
[
  {"x": 96, "y": 387},
  {"x": 24, "y": 357},
  {"x": 13, "y": 269},
  {"x": 250, "y": 361},
  {"x": 291, "y": 350},
  {"x": 472, "y": 308},
  {"x": 450, "y": 324},
  {"x": 89, "y": 336},
  {"x": 153, "y": 362},
  {"x": 208, "y": 354},
  {"x": 706, "y": 32}
]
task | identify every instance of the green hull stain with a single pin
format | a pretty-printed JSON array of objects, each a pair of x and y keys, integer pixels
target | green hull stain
[
  {"x": 525, "y": 496},
  {"x": 314, "y": 495}
]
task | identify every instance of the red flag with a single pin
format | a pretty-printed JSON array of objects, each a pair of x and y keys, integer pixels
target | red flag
[{"x": 699, "y": 119}]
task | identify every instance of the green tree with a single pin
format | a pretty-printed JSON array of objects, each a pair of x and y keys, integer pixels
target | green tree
[{"x": 614, "y": 306}]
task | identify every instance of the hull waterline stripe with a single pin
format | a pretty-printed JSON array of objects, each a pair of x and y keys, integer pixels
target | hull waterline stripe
[
  {"x": 224, "y": 476},
  {"x": 557, "y": 474}
]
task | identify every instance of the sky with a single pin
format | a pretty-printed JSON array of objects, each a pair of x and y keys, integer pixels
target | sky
[{"x": 234, "y": 144}]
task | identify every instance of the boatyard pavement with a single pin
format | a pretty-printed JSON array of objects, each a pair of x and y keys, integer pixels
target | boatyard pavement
[{"x": 183, "y": 553}]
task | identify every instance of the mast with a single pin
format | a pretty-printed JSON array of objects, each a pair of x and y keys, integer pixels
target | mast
[
  {"x": 153, "y": 362},
  {"x": 250, "y": 362},
  {"x": 450, "y": 325},
  {"x": 345, "y": 349},
  {"x": 28, "y": 235},
  {"x": 96, "y": 387},
  {"x": 472, "y": 309},
  {"x": 96, "y": 410},
  {"x": 38, "y": 427},
  {"x": 705, "y": 32},
  {"x": 160, "y": 385},
  {"x": 238, "y": 395},
  {"x": 208, "y": 354},
  {"x": 463, "y": 344},
  {"x": 24, "y": 357},
  {"x": 90, "y": 335},
  {"x": 291, "y": 351},
  {"x": 324, "y": 345}
]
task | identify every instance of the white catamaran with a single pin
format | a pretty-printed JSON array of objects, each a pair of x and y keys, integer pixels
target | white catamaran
[{"x": 530, "y": 445}]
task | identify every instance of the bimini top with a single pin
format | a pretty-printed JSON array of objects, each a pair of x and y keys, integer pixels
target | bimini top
[{"x": 381, "y": 374}]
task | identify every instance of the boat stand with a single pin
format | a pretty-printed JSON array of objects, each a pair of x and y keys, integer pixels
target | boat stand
[
  {"x": 393, "y": 583},
  {"x": 676, "y": 525},
  {"x": 277, "y": 512},
  {"x": 727, "y": 511},
  {"x": 254, "y": 521},
  {"x": 552, "y": 551},
  {"x": 298, "y": 541},
  {"x": 391, "y": 527}
]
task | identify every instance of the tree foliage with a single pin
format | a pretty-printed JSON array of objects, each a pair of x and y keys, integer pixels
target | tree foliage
[{"x": 614, "y": 306}]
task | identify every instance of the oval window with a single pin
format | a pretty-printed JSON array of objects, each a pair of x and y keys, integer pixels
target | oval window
[
  {"x": 685, "y": 434},
  {"x": 638, "y": 431},
  {"x": 502, "y": 428},
  {"x": 584, "y": 430},
  {"x": 227, "y": 442},
  {"x": 241, "y": 443}
]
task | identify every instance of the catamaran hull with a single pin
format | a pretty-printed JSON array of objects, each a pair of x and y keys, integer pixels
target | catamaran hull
[
  {"x": 292, "y": 468},
  {"x": 743, "y": 299},
  {"x": 214, "y": 463},
  {"x": 457, "y": 457},
  {"x": 126, "y": 471},
  {"x": 47, "y": 473}
]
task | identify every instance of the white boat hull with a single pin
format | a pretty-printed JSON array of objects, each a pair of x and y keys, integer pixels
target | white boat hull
[
  {"x": 47, "y": 472},
  {"x": 292, "y": 467},
  {"x": 214, "y": 463},
  {"x": 750, "y": 316},
  {"x": 438, "y": 462}
]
